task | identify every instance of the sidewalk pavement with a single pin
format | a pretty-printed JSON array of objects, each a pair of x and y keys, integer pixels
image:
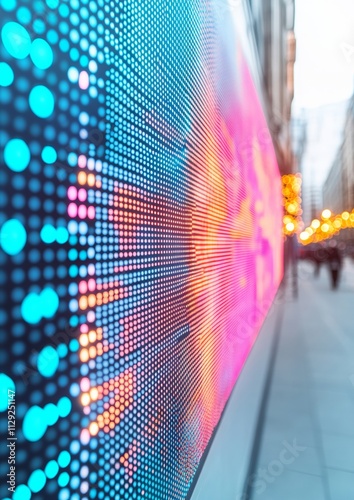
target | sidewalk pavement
[{"x": 306, "y": 449}]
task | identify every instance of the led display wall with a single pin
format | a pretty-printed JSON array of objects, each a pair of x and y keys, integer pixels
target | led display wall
[{"x": 140, "y": 242}]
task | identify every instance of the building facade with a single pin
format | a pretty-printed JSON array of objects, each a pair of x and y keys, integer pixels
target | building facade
[
  {"x": 338, "y": 189},
  {"x": 273, "y": 25}
]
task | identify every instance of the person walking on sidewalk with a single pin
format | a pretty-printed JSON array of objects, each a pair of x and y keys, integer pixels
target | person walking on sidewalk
[{"x": 335, "y": 263}]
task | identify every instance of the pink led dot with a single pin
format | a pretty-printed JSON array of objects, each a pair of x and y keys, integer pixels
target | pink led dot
[
  {"x": 85, "y": 384},
  {"x": 91, "y": 284},
  {"x": 82, "y": 287},
  {"x": 85, "y": 436},
  {"x": 82, "y": 194},
  {"x": 82, "y": 161},
  {"x": 91, "y": 317},
  {"x": 83, "y": 80},
  {"x": 84, "y": 328},
  {"x": 72, "y": 210},
  {"x": 72, "y": 193},
  {"x": 82, "y": 212},
  {"x": 91, "y": 212}
]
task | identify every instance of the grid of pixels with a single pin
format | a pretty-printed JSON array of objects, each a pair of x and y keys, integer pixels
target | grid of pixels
[{"x": 140, "y": 240}]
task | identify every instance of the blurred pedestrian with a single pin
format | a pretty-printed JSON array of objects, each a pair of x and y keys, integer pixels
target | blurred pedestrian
[
  {"x": 319, "y": 256},
  {"x": 334, "y": 259}
]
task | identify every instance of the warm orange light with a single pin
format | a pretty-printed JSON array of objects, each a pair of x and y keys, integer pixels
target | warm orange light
[
  {"x": 290, "y": 226},
  {"x": 345, "y": 215},
  {"x": 326, "y": 214},
  {"x": 325, "y": 228},
  {"x": 315, "y": 223},
  {"x": 93, "y": 429},
  {"x": 85, "y": 399},
  {"x": 304, "y": 236}
]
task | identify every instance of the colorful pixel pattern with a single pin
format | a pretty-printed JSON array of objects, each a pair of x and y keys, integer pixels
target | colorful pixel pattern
[{"x": 140, "y": 240}]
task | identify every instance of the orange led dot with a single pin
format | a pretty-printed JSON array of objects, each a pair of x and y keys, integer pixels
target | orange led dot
[
  {"x": 85, "y": 399},
  {"x": 83, "y": 340},
  {"x": 84, "y": 356},
  {"x": 93, "y": 429},
  {"x": 92, "y": 336},
  {"x": 83, "y": 303}
]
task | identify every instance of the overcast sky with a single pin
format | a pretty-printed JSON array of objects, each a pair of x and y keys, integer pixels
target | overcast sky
[{"x": 324, "y": 70}]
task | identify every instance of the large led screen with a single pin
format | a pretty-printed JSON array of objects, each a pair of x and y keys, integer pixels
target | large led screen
[{"x": 140, "y": 241}]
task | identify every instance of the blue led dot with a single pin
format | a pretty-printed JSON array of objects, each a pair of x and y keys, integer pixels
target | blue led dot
[
  {"x": 41, "y": 101},
  {"x": 49, "y": 155},
  {"x": 51, "y": 469},
  {"x": 17, "y": 155},
  {"x": 48, "y": 361},
  {"x": 6, "y": 384},
  {"x": 24, "y": 15},
  {"x": 62, "y": 235},
  {"x": 37, "y": 481},
  {"x": 6, "y": 74},
  {"x": 64, "y": 458},
  {"x": 31, "y": 309},
  {"x": 22, "y": 492},
  {"x": 13, "y": 237},
  {"x": 64, "y": 407},
  {"x": 48, "y": 234},
  {"x": 8, "y": 5},
  {"x": 34, "y": 424},
  {"x": 51, "y": 413},
  {"x": 49, "y": 302},
  {"x": 41, "y": 54},
  {"x": 16, "y": 40}
]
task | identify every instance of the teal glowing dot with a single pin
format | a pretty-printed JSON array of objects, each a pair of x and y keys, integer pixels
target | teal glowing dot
[
  {"x": 74, "y": 345},
  {"x": 41, "y": 101},
  {"x": 63, "y": 479},
  {"x": 6, "y": 385},
  {"x": 41, "y": 54},
  {"x": 64, "y": 459},
  {"x": 6, "y": 75},
  {"x": 51, "y": 469},
  {"x": 13, "y": 237},
  {"x": 48, "y": 234},
  {"x": 64, "y": 407},
  {"x": 34, "y": 424},
  {"x": 24, "y": 15},
  {"x": 51, "y": 413},
  {"x": 62, "y": 235},
  {"x": 62, "y": 350},
  {"x": 49, "y": 155},
  {"x": 31, "y": 309},
  {"x": 49, "y": 302},
  {"x": 22, "y": 492},
  {"x": 8, "y": 5},
  {"x": 47, "y": 361},
  {"x": 37, "y": 480},
  {"x": 17, "y": 155},
  {"x": 16, "y": 40},
  {"x": 52, "y": 4}
]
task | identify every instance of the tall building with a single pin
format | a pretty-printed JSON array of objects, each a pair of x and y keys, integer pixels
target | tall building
[
  {"x": 324, "y": 135},
  {"x": 273, "y": 26},
  {"x": 338, "y": 189}
]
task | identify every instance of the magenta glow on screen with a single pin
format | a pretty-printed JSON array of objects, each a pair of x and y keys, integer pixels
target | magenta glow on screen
[{"x": 141, "y": 243}]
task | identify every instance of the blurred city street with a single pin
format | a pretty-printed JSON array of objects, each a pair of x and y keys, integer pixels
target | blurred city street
[
  {"x": 177, "y": 250},
  {"x": 306, "y": 448}
]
